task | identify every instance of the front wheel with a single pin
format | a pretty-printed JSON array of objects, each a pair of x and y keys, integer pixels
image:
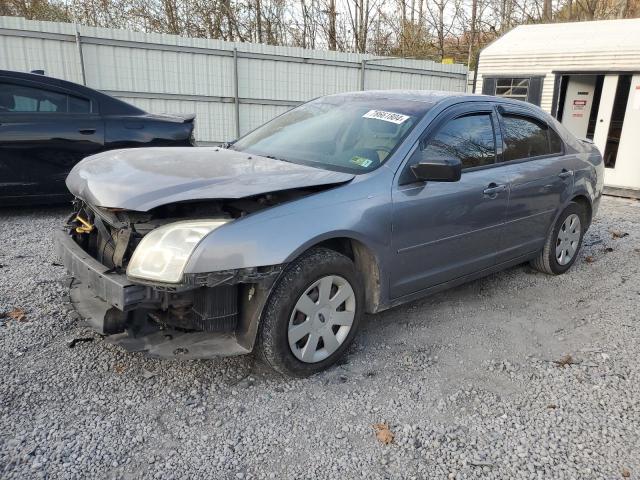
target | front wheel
[
  {"x": 564, "y": 241},
  {"x": 312, "y": 315}
]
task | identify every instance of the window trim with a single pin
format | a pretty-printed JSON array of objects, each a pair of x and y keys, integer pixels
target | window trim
[
  {"x": 496, "y": 109},
  {"x": 516, "y": 112},
  {"x": 404, "y": 177},
  {"x": 562, "y": 145},
  {"x": 93, "y": 110},
  {"x": 469, "y": 114}
]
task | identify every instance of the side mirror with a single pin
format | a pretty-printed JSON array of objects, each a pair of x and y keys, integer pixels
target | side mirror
[{"x": 444, "y": 170}]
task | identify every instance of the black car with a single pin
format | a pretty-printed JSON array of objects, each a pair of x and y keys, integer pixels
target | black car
[{"x": 48, "y": 125}]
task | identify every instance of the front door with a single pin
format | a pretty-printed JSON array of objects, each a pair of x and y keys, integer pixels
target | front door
[
  {"x": 442, "y": 231},
  {"x": 43, "y": 134}
]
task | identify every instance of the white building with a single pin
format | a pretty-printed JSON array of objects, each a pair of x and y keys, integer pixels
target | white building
[{"x": 587, "y": 75}]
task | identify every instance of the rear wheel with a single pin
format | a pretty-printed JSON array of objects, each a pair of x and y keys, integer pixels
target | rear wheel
[
  {"x": 564, "y": 241},
  {"x": 312, "y": 314}
]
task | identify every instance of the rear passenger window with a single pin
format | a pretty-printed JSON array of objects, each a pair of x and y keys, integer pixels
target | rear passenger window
[
  {"x": 470, "y": 139},
  {"x": 555, "y": 142},
  {"x": 524, "y": 138},
  {"x": 23, "y": 99},
  {"x": 79, "y": 105}
]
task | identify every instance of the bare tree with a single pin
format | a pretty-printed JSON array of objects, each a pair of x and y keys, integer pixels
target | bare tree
[{"x": 434, "y": 29}]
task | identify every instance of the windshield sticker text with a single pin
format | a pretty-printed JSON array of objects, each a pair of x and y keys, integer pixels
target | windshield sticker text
[
  {"x": 396, "y": 118},
  {"x": 362, "y": 161}
]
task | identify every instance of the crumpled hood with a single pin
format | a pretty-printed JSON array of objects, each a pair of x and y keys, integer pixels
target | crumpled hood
[{"x": 143, "y": 178}]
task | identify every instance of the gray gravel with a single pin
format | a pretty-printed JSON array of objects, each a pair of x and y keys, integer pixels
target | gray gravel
[{"x": 465, "y": 380}]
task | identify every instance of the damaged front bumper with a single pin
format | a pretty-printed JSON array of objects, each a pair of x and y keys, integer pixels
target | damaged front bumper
[
  {"x": 113, "y": 288},
  {"x": 159, "y": 319}
]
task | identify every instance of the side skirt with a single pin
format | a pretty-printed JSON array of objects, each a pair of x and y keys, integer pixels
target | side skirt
[{"x": 457, "y": 281}]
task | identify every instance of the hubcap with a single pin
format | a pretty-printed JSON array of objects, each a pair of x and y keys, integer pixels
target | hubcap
[
  {"x": 568, "y": 239},
  {"x": 321, "y": 319}
]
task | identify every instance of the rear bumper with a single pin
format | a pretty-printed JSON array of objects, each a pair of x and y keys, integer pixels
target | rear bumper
[{"x": 113, "y": 288}]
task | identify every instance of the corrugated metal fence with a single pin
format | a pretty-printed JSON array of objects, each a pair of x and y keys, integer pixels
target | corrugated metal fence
[{"x": 232, "y": 87}]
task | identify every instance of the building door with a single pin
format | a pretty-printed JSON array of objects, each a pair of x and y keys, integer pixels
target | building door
[
  {"x": 580, "y": 98},
  {"x": 621, "y": 141},
  {"x": 601, "y": 108}
]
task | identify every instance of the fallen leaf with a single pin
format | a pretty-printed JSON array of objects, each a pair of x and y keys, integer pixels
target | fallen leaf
[
  {"x": 119, "y": 369},
  {"x": 147, "y": 374},
  {"x": 588, "y": 259},
  {"x": 618, "y": 234},
  {"x": 626, "y": 473},
  {"x": 383, "y": 434},
  {"x": 564, "y": 361},
  {"x": 17, "y": 314}
]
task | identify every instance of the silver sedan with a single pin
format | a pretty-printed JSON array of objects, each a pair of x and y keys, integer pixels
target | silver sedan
[{"x": 280, "y": 241}]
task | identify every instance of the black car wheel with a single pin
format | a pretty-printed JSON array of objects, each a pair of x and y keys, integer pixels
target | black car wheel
[{"x": 312, "y": 314}]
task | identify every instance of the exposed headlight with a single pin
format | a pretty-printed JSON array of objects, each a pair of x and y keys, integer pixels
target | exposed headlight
[{"x": 163, "y": 253}]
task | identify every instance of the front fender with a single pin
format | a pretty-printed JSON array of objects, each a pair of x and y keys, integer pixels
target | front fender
[{"x": 359, "y": 210}]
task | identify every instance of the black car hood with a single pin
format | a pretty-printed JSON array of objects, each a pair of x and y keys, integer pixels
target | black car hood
[{"x": 144, "y": 178}]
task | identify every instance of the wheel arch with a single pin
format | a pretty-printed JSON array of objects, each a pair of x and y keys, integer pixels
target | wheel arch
[
  {"x": 585, "y": 202},
  {"x": 364, "y": 258}
]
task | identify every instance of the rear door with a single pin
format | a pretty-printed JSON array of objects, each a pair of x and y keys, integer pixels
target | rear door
[
  {"x": 44, "y": 132},
  {"x": 441, "y": 230},
  {"x": 541, "y": 180}
]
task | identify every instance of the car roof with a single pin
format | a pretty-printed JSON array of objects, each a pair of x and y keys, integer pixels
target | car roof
[
  {"x": 428, "y": 96},
  {"x": 108, "y": 104},
  {"x": 425, "y": 96}
]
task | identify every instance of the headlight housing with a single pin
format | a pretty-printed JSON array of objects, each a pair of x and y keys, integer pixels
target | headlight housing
[{"x": 163, "y": 253}]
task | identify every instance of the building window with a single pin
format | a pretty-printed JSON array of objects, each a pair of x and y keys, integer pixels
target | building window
[
  {"x": 517, "y": 88},
  {"x": 523, "y": 87}
]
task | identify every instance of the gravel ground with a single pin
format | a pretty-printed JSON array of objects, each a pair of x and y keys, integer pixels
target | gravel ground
[{"x": 466, "y": 381}]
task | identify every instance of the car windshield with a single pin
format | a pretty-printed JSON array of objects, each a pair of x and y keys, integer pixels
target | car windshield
[{"x": 350, "y": 134}]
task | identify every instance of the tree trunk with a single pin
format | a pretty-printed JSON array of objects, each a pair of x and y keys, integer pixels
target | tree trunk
[
  {"x": 259, "y": 20},
  {"x": 441, "y": 30},
  {"x": 365, "y": 26},
  {"x": 332, "y": 25},
  {"x": 546, "y": 11},
  {"x": 623, "y": 8},
  {"x": 472, "y": 31}
]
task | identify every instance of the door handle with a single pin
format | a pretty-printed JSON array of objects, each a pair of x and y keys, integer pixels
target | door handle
[
  {"x": 87, "y": 131},
  {"x": 565, "y": 173},
  {"x": 493, "y": 189}
]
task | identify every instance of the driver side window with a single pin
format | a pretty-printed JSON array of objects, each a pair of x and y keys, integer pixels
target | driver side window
[{"x": 470, "y": 139}]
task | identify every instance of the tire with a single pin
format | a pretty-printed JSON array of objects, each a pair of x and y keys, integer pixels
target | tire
[
  {"x": 304, "y": 277},
  {"x": 549, "y": 261}
]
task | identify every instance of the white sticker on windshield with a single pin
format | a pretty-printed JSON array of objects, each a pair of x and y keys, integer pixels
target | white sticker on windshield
[{"x": 396, "y": 118}]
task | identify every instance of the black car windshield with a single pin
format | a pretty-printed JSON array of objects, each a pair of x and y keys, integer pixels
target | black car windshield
[{"x": 345, "y": 133}]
